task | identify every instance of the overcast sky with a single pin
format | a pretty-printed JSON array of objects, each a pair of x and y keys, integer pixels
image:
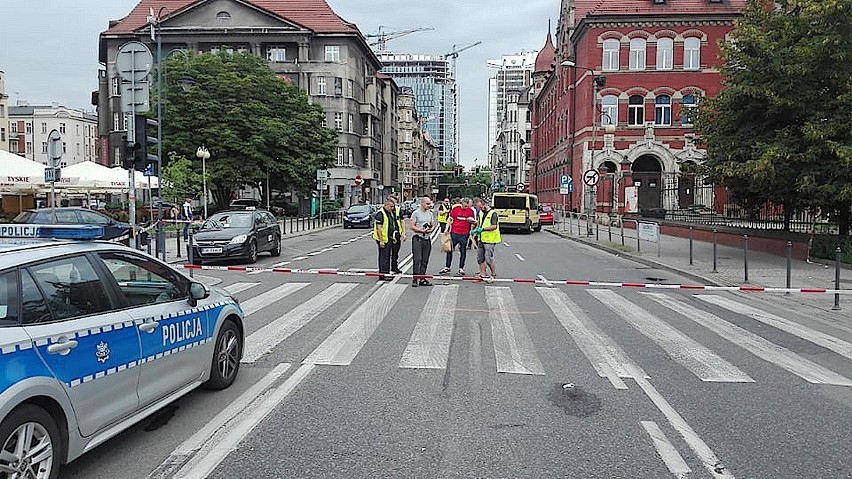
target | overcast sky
[{"x": 50, "y": 47}]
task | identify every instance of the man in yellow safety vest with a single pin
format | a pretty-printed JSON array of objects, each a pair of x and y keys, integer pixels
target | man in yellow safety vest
[
  {"x": 385, "y": 233},
  {"x": 443, "y": 214},
  {"x": 489, "y": 237},
  {"x": 396, "y": 242}
]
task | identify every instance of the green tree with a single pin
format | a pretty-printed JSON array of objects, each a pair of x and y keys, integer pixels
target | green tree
[
  {"x": 179, "y": 179},
  {"x": 253, "y": 123},
  {"x": 781, "y": 129}
]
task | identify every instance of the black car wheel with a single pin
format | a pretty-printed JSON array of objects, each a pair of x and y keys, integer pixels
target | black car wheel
[
  {"x": 227, "y": 353},
  {"x": 30, "y": 444},
  {"x": 252, "y": 256},
  {"x": 276, "y": 247}
]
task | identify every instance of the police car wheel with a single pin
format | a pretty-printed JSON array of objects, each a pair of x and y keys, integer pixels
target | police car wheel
[
  {"x": 226, "y": 357},
  {"x": 30, "y": 445},
  {"x": 276, "y": 248},
  {"x": 252, "y": 257}
]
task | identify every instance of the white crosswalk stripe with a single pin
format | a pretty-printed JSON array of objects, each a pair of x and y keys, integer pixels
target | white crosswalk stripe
[
  {"x": 757, "y": 345},
  {"x": 429, "y": 347},
  {"x": 268, "y": 298},
  {"x": 705, "y": 364},
  {"x": 513, "y": 347},
  {"x": 604, "y": 354},
  {"x": 266, "y": 338},
  {"x": 237, "y": 288},
  {"x": 827, "y": 341},
  {"x": 673, "y": 460},
  {"x": 341, "y": 347}
]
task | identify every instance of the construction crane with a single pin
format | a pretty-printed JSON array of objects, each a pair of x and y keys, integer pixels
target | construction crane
[
  {"x": 382, "y": 37},
  {"x": 455, "y": 54}
]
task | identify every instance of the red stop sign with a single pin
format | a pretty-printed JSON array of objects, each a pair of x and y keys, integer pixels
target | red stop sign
[{"x": 358, "y": 180}]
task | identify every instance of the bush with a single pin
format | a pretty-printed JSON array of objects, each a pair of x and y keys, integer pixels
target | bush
[{"x": 824, "y": 247}]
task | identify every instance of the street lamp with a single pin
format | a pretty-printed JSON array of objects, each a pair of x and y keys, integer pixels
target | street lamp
[{"x": 204, "y": 155}]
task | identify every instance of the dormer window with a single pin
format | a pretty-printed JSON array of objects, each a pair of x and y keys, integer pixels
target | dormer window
[{"x": 223, "y": 17}]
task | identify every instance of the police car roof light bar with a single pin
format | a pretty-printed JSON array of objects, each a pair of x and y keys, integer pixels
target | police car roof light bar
[{"x": 83, "y": 232}]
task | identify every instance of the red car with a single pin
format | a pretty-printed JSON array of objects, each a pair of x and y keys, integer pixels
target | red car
[{"x": 545, "y": 215}]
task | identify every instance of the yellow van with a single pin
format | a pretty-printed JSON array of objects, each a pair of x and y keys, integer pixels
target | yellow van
[{"x": 517, "y": 211}]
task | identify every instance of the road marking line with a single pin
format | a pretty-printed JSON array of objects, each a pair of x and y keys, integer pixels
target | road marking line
[
  {"x": 335, "y": 246},
  {"x": 217, "y": 427},
  {"x": 757, "y": 345},
  {"x": 268, "y": 298},
  {"x": 513, "y": 347},
  {"x": 237, "y": 288},
  {"x": 208, "y": 459},
  {"x": 519, "y": 257},
  {"x": 325, "y": 250},
  {"x": 705, "y": 364},
  {"x": 314, "y": 253},
  {"x": 604, "y": 354},
  {"x": 673, "y": 460},
  {"x": 363, "y": 270},
  {"x": 341, "y": 347},
  {"x": 266, "y": 338},
  {"x": 300, "y": 258},
  {"x": 283, "y": 263},
  {"x": 546, "y": 281},
  {"x": 429, "y": 347},
  {"x": 827, "y": 341},
  {"x": 506, "y": 244},
  {"x": 702, "y": 450}
]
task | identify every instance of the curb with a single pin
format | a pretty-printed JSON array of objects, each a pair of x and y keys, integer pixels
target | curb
[{"x": 638, "y": 259}]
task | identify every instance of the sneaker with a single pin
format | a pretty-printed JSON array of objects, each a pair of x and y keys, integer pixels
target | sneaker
[
  {"x": 425, "y": 282},
  {"x": 461, "y": 272},
  {"x": 444, "y": 271},
  {"x": 414, "y": 283}
]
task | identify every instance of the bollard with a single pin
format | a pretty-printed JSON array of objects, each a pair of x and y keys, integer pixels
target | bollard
[
  {"x": 284, "y": 226},
  {"x": 690, "y": 245},
  {"x": 715, "y": 256},
  {"x": 659, "y": 240},
  {"x": 638, "y": 241},
  {"x": 609, "y": 230},
  {"x": 837, "y": 253},
  {"x": 597, "y": 231},
  {"x": 789, "y": 266},
  {"x": 177, "y": 237},
  {"x": 291, "y": 224},
  {"x": 189, "y": 253},
  {"x": 622, "y": 232},
  {"x": 745, "y": 258}
]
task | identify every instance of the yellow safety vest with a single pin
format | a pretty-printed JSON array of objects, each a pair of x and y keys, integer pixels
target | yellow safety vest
[
  {"x": 443, "y": 213},
  {"x": 485, "y": 222},
  {"x": 385, "y": 228},
  {"x": 399, "y": 221}
]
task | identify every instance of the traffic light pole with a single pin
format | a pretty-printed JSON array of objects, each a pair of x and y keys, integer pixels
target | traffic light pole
[{"x": 161, "y": 240}]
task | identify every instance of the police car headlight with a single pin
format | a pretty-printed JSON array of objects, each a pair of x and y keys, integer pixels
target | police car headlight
[
  {"x": 239, "y": 239},
  {"x": 194, "y": 241}
]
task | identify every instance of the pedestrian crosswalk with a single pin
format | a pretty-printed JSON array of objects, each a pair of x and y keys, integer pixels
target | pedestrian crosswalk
[{"x": 610, "y": 328}]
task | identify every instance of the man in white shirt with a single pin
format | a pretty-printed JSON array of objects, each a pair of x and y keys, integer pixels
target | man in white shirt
[{"x": 186, "y": 215}]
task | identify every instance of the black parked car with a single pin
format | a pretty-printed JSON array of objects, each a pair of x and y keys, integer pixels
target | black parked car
[
  {"x": 236, "y": 234},
  {"x": 77, "y": 216},
  {"x": 358, "y": 215}
]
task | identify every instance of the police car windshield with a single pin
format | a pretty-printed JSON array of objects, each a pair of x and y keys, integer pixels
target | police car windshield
[{"x": 230, "y": 219}]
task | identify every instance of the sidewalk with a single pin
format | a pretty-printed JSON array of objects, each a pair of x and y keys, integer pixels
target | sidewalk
[
  {"x": 764, "y": 269},
  {"x": 172, "y": 241}
]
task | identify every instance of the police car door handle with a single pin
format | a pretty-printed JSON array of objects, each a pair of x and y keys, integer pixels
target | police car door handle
[
  {"x": 149, "y": 327},
  {"x": 62, "y": 348}
]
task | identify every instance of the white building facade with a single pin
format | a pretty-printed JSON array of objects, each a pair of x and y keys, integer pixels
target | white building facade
[
  {"x": 29, "y": 127},
  {"x": 513, "y": 72}
]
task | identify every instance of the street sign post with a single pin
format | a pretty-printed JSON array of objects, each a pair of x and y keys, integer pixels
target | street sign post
[
  {"x": 358, "y": 180},
  {"x": 54, "y": 154}
]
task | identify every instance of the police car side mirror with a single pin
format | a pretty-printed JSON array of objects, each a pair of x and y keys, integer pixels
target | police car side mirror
[{"x": 197, "y": 291}]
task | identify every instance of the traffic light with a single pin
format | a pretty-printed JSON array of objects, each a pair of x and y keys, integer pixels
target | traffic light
[{"x": 146, "y": 138}]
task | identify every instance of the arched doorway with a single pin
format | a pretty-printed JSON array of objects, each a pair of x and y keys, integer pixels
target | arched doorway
[
  {"x": 648, "y": 177},
  {"x": 686, "y": 185}
]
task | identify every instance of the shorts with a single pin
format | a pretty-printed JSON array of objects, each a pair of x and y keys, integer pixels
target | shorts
[{"x": 485, "y": 253}]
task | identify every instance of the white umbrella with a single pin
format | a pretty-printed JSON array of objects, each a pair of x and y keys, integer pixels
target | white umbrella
[{"x": 18, "y": 173}]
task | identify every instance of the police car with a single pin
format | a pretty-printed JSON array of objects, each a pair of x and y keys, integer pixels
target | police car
[{"x": 95, "y": 337}]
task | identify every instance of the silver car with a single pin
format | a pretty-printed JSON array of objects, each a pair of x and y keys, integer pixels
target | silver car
[{"x": 95, "y": 337}]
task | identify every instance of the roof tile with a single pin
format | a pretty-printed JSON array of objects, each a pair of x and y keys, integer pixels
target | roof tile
[{"x": 583, "y": 8}]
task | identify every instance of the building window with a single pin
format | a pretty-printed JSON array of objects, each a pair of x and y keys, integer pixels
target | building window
[
  {"x": 223, "y": 17},
  {"x": 351, "y": 123},
  {"x": 350, "y": 88},
  {"x": 29, "y": 148},
  {"x": 78, "y": 130},
  {"x": 350, "y": 160},
  {"x": 338, "y": 121},
  {"x": 64, "y": 147},
  {"x": 62, "y": 128},
  {"x": 276, "y": 54},
  {"x": 44, "y": 128},
  {"x": 2, "y": 134},
  {"x": 44, "y": 147},
  {"x": 636, "y": 110},
  {"x": 338, "y": 86},
  {"x": 324, "y": 121},
  {"x": 13, "y": 147},
  {"x": 116, "y": 121},
  {"x": 13, "y": 128},
  {"x": 665, "y": 49},
  {"x": 637, "y": 54},
  {"x": 340, "y": 156},
  {"x": 609, "y": 110},
  {"x": 663, "y": 111},
  {"x": 78, "y": 149},
  {"x": 322, "y": 86},
  {"x": 332, "y": 53},
  {"x": 688, "y": 108},
  {"x": 116, "y": 91},
  {"x": 692, "y": 53},
  {"x": 610, "y": 55},
  {"x": 116, "y": 159}
]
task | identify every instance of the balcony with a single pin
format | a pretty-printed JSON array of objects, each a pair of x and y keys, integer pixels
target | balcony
[
  {"x": 370, "y": 142},
  {"x": 368, "y": 109}
]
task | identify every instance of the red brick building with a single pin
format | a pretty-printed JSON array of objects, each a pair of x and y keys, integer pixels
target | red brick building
[{"x": 642, "y": 66}]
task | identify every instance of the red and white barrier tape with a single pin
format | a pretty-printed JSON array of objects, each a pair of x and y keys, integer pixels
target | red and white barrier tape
[{"x": 476, "y": 279}]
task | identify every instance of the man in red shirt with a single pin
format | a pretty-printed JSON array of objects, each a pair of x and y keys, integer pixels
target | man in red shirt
[{"x": 459, "y": 223}]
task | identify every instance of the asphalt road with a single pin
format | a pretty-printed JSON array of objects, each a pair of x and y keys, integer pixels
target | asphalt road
[{"x": 347, "y": 377}]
